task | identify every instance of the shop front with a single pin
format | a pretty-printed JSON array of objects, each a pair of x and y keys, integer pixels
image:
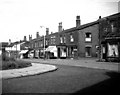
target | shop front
[
  {"x": 72, "y": 51},
  {"x": 111, "y": 49},
  {"x": 51, "y": 52},
  {"x": 62, "y": 51}
]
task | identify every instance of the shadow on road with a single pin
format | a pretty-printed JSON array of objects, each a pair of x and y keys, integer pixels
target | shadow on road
[{"x": 106, "y": 87}]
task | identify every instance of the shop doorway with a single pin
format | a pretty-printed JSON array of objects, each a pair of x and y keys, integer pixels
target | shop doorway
[
  {"x": 88, "y": 51},
  {"x": 58, "y": 52}
]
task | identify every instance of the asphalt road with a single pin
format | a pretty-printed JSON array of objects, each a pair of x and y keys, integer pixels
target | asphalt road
[{"x": 67, "y": 79}]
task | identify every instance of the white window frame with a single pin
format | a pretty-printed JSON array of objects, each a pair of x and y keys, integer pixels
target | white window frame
[
  {"x": 64, "y": 39},
  {"x": 61, "y": 39},
  {"x": 71, "y": 38},
  {"x": 88, "y": 39}
]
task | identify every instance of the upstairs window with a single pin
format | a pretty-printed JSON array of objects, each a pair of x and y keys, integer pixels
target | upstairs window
[
  {"x": 32, "y": 45},
  {"x": 64, "y": 39},
  {"x": 88, "y": 37},
  {"x": 46, "y": 42},
  {"x": 53, "y": 39},
  {"x": 61, "y": 39},
  {"x": 35, "y": 44},
  {"x": 71, "y": 38}
]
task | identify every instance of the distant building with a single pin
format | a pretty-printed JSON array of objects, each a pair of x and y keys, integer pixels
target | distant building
[{"x": 3, "y": 45}]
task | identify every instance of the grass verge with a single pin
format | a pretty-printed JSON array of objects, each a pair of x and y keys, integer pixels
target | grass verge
[{"x": 11, "y": 63}]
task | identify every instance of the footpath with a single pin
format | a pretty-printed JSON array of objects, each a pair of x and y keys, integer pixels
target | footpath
[
  {"x": 82, "y": 62},
  {"x": 48, "y": 66},
  {"x": 32, "y": 70}
]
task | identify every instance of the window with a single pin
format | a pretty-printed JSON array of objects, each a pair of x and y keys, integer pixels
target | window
[
  {"x": 113, "y": 50},
  {"x": 88, "y": 37},
  {"x": 64, "y": 39},
  {"x": 114, "y": 26},
  {"x": 35, "y": 44},
  {"x": 40, "y": 44},
  {"x": 46, "y": 42},
  {"x": 53, "y": 39},
  {"x": 32, "y": 45},
  {"x": 61, "y": 39},
  {"x": 88, "y": 51},
  {"x": 71, "y": 38}
]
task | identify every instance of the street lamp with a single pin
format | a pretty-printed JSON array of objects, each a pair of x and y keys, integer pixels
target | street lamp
[{"x": 43, "y": 42}]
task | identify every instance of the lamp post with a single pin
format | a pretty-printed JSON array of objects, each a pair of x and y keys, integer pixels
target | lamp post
[
  {"x": 16, "y": 50},
  {"x": 43, "y": 43}
]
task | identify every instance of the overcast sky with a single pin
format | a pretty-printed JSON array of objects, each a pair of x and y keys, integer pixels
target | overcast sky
[{"x": 19, "y": 18}]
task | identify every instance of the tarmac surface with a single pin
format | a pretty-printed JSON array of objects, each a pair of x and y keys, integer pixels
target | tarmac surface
[{"x": 48, "y": 65}]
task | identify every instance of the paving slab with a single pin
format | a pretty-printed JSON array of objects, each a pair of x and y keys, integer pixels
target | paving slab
[{"x": 32, "y": 70}]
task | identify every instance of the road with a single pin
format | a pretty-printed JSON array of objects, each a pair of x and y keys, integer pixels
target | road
[{"x": 67, "y": 79}]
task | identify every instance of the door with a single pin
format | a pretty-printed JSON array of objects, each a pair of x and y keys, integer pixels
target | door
[
  {"x": 58, "y": 52},
  {"x": 88, "y": 51}
]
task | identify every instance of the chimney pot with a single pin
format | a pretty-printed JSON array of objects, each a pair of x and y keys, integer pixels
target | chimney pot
[
  {"x": 47, "y": 31},
  {"x": 78, "y": 21},
  {"x": 99, "y": 17},
  {"x": 30, "y": 37},
  {"x": 9, "y": 41},
  {"x": 25, "y": 39},
  {"x": 37, "y": 34},
  {"x": 60, "y": 27}
]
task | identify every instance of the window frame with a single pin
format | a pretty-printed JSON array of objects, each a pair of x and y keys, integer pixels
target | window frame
[
  {"x": 88, "y": 37},
  {"x": 71, "y": 38}
]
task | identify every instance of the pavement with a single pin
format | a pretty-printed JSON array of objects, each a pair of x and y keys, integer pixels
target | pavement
[
  {"x": 81, "y": 62},
  {"x": 32, "y": 70}
]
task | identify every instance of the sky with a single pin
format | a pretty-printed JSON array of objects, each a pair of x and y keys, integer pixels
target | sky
[{"x": 19, "y": 18}]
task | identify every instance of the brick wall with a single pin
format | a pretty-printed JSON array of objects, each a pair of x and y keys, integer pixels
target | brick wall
[{"x": 82, "y": 43}]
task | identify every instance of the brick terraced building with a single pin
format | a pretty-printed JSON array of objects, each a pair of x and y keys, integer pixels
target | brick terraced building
[{"x": 88, "y": 40}]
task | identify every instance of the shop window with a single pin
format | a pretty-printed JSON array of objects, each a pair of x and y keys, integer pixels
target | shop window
[
  {"x": 88, "y": 37},
  {"x": 112, "y": 50}
]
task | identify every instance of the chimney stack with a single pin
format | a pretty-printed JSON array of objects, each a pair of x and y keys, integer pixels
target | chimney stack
[
  {"x": 9, "y": 41},
  {"x": 78, "y": 21},
  {"x": 99, "y": 17},
  {"x": 37, "y": 34},
  {"x": 60, "y": 27},
  {"x": 47, "y": 31},
  {"x": 30, "y": 37},
  {"x": 25, "y": 39}
]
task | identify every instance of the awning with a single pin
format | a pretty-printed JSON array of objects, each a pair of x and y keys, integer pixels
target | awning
[
  {"x": 51, "y": 49},
  {"x": 23, "y": 51}
]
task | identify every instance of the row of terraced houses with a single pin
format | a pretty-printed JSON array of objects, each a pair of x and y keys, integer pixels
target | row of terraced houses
[
  {"x": 100, "y": 38},
  {"x": 81, "y": 41}
]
